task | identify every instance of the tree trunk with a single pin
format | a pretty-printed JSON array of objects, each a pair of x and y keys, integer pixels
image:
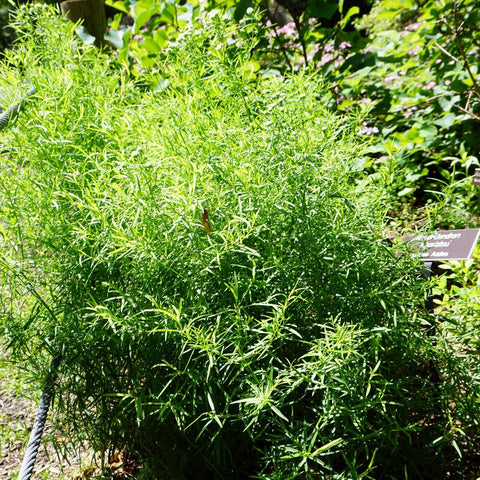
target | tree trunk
[{"x": 91, "y": 13}]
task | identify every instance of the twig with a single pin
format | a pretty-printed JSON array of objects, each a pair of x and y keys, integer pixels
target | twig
[
  {"x": 446, "y": 52},
  {"x": 282, "y": 46},
  {"x": 467, "y": 112},
  {"x": 462, "y": 51},
  {"x": 301, "y": 38},
  {"x": 455, "y": 31},
  {"x": 277, "y": 36}
]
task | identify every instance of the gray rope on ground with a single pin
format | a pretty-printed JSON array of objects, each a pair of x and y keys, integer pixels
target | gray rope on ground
[
  {"x": 11, "y": 112},
  {"x": 39, "y": 423}
]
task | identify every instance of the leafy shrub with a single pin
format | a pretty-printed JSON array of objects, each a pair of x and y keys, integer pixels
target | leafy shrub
[
  {"x": 410, "y": 68},
  {"x": 418, "y": 75},
  {"x": 206, "y": 262}
]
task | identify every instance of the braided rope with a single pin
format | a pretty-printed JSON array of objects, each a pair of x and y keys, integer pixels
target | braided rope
[
  {"x": 39, "y": 423},
  {"x": 8, "y": 114}
]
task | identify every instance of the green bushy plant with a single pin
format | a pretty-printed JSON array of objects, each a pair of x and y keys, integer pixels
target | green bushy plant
[{"x": 203, "y": 258}]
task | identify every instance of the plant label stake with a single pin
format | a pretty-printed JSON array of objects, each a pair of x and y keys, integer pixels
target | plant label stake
[
  {"x": 434, "y": 247},
  {"x": 442, "y": 245},
  {"x": 445, "y": 244},
  {"x": 476, "y": 177}
]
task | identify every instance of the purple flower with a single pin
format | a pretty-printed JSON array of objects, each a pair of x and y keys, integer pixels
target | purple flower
[
  {"x": 327, "y": 57},
  {"x": 411, "y": 28},
  {"x": 391, "y": 78},
  {"x": 368, "y": 130},
  {"x": 288, "y": 30},
  {"x": 328, "y": 48},
  {"x": 368, "y": 49},
  {"x": 410, "y": 110},
  {"x": 338, "y": 61}
]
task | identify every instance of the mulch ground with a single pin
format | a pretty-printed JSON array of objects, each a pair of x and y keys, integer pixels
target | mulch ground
[
  {"x": 17, "y": 414},
  {"x": 16, "y": 419}
]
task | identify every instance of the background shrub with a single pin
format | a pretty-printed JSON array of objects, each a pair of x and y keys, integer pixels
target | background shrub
[
  {"x": 282, "y": 339},
  {"x": 7, "y": 33}
]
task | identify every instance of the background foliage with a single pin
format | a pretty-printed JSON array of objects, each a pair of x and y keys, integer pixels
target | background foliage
[{"x": 7, "y": 34}]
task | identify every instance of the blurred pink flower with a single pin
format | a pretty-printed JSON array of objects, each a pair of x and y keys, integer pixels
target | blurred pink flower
[
  {"x": 412, "y": 27},
  {"x": 409, "y": 110},
  {"x": 327, "y": 57},
  {"x": 368, "y": 130},
  {"x": 288, "y": 30}
]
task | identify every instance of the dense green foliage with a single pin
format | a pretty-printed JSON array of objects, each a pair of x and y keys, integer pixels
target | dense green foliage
[
  {"x": 418, "y": 73},
  {"x": 201, "y": 236},
  {"x": 409, "y": 69}
]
